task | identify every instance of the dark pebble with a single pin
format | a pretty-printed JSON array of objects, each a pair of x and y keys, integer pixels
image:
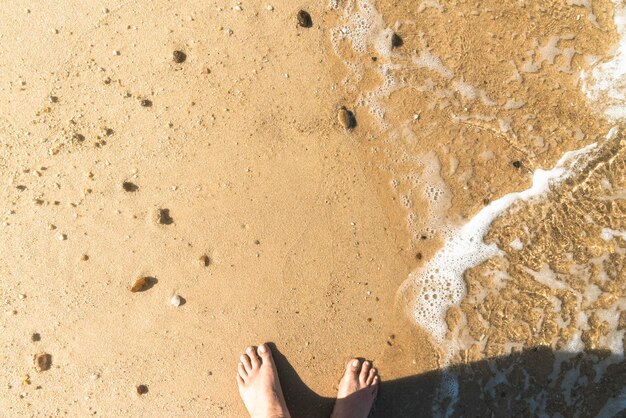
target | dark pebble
[
  {"x": 129, "y": 187},
  {"x": 179, "y": 57},
  {"x": 304, "y": 19},
  {"x": 35, "y": 337},
  {"x": 517, "y": 163},
  {"x": 396, "y": 41},
  {"x": 163, "y": 217},
  {"x": 142, "y": 389},
  {"x": 146, "y": 103}
]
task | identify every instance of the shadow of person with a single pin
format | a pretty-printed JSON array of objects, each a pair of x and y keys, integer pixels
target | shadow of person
[{"x": 534, "y": 382}]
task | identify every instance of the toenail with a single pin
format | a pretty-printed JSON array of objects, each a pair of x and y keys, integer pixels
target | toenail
[
  {"x": 373, "y": 370},
  {"x": 366, "y": 363},
  {"x": 355, "y": 363},
  {"x": 263, "y": 348}
]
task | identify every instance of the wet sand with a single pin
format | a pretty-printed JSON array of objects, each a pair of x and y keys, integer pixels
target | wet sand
[{"x": 314, "y": 233}]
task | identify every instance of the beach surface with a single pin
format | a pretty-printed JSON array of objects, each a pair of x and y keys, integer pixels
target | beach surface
[{"x": 428, "y": 185}]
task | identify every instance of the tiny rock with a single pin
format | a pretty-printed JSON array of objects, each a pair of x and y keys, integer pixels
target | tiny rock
[
  {"x": 346, "y": 118},
  {"x": 142, "y": 389},
  {"x": 141, "y": 284},
  {"x": 176, "y": 301},
  {"x": 304, "y": 19},
  {"x": 129, "y": 186},
  {"x": 205, "y": 260},
  {"x": 163, "y": 217},
  {"x": 179, "y": 57},
  {"x": 396, "y": 41},
  {"x": 43, "y": 361},
  {"x": 146, "y": 103},
  {"x": 84, "y": 257}
]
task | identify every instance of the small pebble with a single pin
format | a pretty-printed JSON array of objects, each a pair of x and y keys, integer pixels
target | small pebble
[
  {"x": 21, "y": 296},
  {"x": 84, "y": 257},
  {"x": 43, "y": 361},
  {"x": 205, "y": 260},
  {"x": 141, "y": 284},
  {"x": 129, "y": 187},
  {"x": 517, "y": 163},
  {"x": 304, "y": 19},
  {"x": 146, "y": 103},
  {"x": 179, "y": 57},
  {"x": 346, "y": 118},
  {"x": 61, "y": 237},
  {"x": 176, "y": 301},
  {"x": 269, "y": 8},
  {"x": 35, "y": 337},
  {"x": 396, "y": 41},
  {"x": 116, "y": 52},
  {"x": 142, "y": 389},
  {"x": 163, "y": 217}
]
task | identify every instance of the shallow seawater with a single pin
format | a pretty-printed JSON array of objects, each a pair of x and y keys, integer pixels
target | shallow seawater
[{"x": 498, "y": 128}]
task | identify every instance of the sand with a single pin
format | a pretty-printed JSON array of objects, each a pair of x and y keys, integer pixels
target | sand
[{"x": 233, "y": 179}]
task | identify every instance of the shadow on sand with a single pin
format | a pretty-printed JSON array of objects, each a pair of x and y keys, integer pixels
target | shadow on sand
[{"x": 534, "y": 382}]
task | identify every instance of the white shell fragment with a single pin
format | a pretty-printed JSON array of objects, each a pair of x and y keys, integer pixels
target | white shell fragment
[{"x": 176, "y": 301}]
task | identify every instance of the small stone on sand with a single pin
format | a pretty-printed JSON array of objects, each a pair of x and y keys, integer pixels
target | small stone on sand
[
  {"x": 304, "y": 19},
  {"x": 142, "y": 283},
  {"x": 396, "y": 41},
  {"x": 146, "y": 103},
  {"x": 517, "y": 163},
  {"x": 179, "y": 57},
  {"x": 346, "y": 118},
  {"x": 142, "y": 389},
  {"x": 163, "y": 217},
  {"x": 129, "y": 186},
  {"x": 205, "y": 260},
  {"x": 84, "y": 257},
  {"x": 35, "y": 337},
  {"x": 43, "y": 361},
  {"x": 176, "y": 301}
]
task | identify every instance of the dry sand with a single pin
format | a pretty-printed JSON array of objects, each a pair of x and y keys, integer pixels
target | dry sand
[{"x": 310, "y": 229}]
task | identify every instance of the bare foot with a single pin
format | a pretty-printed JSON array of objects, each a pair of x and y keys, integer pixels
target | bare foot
[
  {"x": 259, "y": 386},
  {"x": 357, "y": 390}
]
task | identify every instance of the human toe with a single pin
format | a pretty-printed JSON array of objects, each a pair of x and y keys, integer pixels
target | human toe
[
  {"x": 365, "y": 371},
  {"x": 370, "y": 378},
  {"x": 254, "y": 357},
  {"x": 247, "y": 364}
]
